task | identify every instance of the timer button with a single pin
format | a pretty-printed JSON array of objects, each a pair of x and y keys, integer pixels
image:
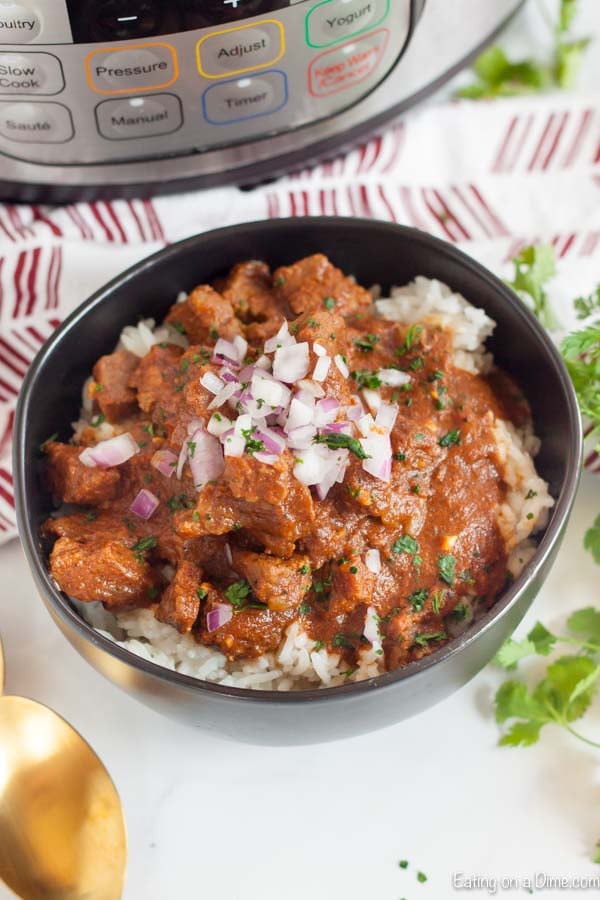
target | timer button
[
  {"x": 18, "y": 24},
  {"x": 234, "y": 51},
  {"x": 245, "y": 98},
  {"x": 124, "y": 70},
  {"x": 30, "y": 73},
  {"x": 36, "y": 123}
]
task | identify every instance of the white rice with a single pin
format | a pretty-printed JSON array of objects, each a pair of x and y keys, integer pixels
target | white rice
[{"x": 297, "y": 664}]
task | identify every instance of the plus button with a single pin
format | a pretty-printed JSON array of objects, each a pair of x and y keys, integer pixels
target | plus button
[{"x": 233, "y": 3}]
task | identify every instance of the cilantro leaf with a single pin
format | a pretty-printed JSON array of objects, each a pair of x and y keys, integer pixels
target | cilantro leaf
[
  {"x": 446, "y": 564},
  {"x": 405, "y": 544},
  {"x": 588, "y": 306},
  {"x": 237, "y": 592},
  {"x": 568, "y": 687},
  {"x": 514, "y": 701},
  {"x": 581, "y": 353},
  {"x": 521, "y": 734},
  {"x": 591, "y": 540},
  {"x": 512, "y": 652},
  {"x": 569, "y": 57},
  {"x": 534, "y": 267},
  {"x": 337, "y": 441}
]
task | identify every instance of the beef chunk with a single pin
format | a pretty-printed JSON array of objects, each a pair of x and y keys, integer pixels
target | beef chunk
[
  {"x": 353, "y": 583},
  {"x": 75, "y": 483},
  {"x": 102, "y": 570},
  {"x": 268, "y": 501},
  {"x": 116, "y": 398},
  {"x": 205, "y": 316},
  {"x": 249, "y": 633},
  {"x": 180, "y": 604},
  {"x": 280, "y": 583},
  {"x": 157, "y": 379},
  {"x": 308, "y": 284},
  {"x": 249, "y": 287}
]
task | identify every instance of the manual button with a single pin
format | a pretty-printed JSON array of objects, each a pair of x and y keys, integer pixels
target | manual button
[
  {"x": 139, "y": 117},
  {"x": 235, "y": 51},
  {"x": 145, "y": 67},
  {"x": 30, "y": 73},
  {"x": 36, "y": 123}
]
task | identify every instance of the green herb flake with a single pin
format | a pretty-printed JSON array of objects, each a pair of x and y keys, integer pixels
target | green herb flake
[
  {"x": 49, "y": 440},
  {"x": 237, "y": 592},
  {"x": 366, "y": 378},
  {"x": 367, "y": 343},
  {"x": 142, "y": 546},
  {"x": 446, "y": 565},
  {"x": 318, "y": 646},
  {"x": 405, "y": 544},
  {"x": 329, "y": 302},
  {"x": 179, "y": 326},
  {"x": 403, "y": 864},
  {"x": 341, "y": 441},
  {"x": 418, "y": 599},
  {"x": 421, "y": 877},
  {"x": 98, "y": 420},
  {"x": 450, "y": 438},
  {"x": 422, "y": 640},
  {"x": 412, "y": 338},
  {"x": 202, "y": 593}
]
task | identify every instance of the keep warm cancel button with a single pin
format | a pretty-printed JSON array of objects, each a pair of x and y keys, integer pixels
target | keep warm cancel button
[{"x": 347, "y": 65}]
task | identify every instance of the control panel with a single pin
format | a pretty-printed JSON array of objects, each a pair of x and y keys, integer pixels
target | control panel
[{"x": 100, "y": 81}]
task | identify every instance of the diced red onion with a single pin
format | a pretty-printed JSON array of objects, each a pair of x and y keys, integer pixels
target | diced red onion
[
  {"x": 144, "y": 504},
  {"x": 273, "y": 442},
  {"x": 282, "y": 339},
  {"x": 112, "y": 452},
  {"x": 183, "y": 453},
  {"x": 326, "y": 411},
  {"x": 212, "y": 382},
  {"x": 300, "y": 414},
  {"x": 312, "y": 464},
  {"x": 302, "y": 437},
  {"x": 308, "y": 388},
  {"x": 365, "y": 424},
  {"x": 224, "y": 395},
  {"x": 338, "y": 461},
  {"x": 206, "y": 461},
  {"x": 243, "y": 423},
  {"x": 218, "y": 616},
  {"x": 355, "y": 411},
  {"x": 371, "y": 629},
  {"x": 228, "y": 555},
  {"x": 268, "y": 459},
  {"x": 246, "y": 373},
  {"x": 264, "y": 387},
  {"x": 393, "y": 377},
  {"x": 342, "y": 366},
  {"x": 218, "y": 424},
  {"x": 373, "y": 561},
  {"x": 263, "y": 362},
  {"x": 233, "y": 444},
  {"x": 386, "y": 416},
  {"x": 319, "y": 350},
  {"x": 291, "y": 363},
  {"x": 379, "y": 467},
  {"x": 165, "y": 461},
  {"x": 379, "y": 450},
  {"x": 241, "y": 345},
  {"x": 227, "y": 375},
  {"x": 372, "y": 399},
  {"x": 321, "y": 369},
  {"x": 338, "y": 428},
  {"x": 226, "y": 350}
]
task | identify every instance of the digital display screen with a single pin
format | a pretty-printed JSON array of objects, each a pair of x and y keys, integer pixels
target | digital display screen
[{"x": 95, "y": 21}]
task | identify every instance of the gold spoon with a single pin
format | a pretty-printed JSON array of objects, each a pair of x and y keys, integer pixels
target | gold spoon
[{"x": 62, "y": 832}]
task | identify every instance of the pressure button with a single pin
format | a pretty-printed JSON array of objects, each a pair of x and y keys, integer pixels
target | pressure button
[{"x": 132, "y": 69}]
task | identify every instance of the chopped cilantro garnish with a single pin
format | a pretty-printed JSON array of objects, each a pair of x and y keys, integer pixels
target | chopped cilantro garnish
[
  {"x": 304, "y": 569},
  {"x": 450, "y": 438},
  {"x": 90, "y": 516},
  {"x": 341, "y": 441},
  {"x": 437, "y": 600},
  {"x": 191, "y": 445},
  {"x": 179, "y": 326},
  {"x": 412, "y": 337},
  {"x": 417, "y": 363},
  {"x": 142, "y": 546},
  {"x": 318, "y": 646},
  {"x": 367, "y": 379},
  {"x": 401, "y": 457},
  {"x": 237, "y": 592},
  {"x": 366, "y": 343},
  {"x": 329, "y": 302},
  {"x": 340, "y": 640},
  {"x": 49, "y": 440},
  {"x": 213, "y": 333},
  {"x": 428, "y": 637},
  {"x": 405, "y": 544},
  {"x": 417, "y": 599},
  {"x": 98, "y": 420},
  {"x": 446, "y": 564},
  {"x": 202, "y": 593},
  {"x": 305, "y": 609}
]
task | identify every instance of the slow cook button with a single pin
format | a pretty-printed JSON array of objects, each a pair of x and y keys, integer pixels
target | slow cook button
[
  {"x": 139, "y": 117},
  {"x": 245, "y": 98},
  {"x": 125, "y": 70},
  {"x": 36, "y": 123},
  {"x": 234, "y": 51},
  {"x": 333, "y": 21},
  {"x": 30, "y": 73},
  {"x": 347, "y": 65},
  {"x": 18, "y": 24}
]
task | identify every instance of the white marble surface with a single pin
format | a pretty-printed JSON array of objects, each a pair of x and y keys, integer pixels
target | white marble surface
[{"x": 221, "y": 821}]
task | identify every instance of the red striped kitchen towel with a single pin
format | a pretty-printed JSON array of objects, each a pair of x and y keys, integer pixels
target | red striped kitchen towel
[{"x": 490, "y": 177}]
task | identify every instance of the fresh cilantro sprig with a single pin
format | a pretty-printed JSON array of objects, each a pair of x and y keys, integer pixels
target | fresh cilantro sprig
[
  {"x": 581, "y": 353},
  {"x": 498, "y": 76},
  {"x": 535, "y": 266}
]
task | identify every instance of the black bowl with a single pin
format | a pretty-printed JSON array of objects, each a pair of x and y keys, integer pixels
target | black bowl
[{"x": 374, "y": 252}]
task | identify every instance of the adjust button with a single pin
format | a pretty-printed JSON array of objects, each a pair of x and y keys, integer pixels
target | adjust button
[
  {"x": 245, "y": 98},
  {"x": 139, "y": 117},
  {"x": 333, "y": 21},
  {"x": 30, "y": 73},
  {"x": 234, "y": 51},
  {"x": 145, "y": 67},
  {"x": 18, "y": 24},
  {"x": 36, "y": 123}
]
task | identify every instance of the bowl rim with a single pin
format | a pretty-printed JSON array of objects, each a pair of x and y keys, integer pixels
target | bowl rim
[{"x": 59, "y": 603}]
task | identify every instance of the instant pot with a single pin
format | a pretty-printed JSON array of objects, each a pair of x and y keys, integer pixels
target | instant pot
[{"x": 139, "y": 96}]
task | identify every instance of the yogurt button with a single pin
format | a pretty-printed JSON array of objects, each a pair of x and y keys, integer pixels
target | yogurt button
[
  {"x": 36, "y": 123},
  {"x": 30, "y": 73},
  {"x": 18, "y": 24}
]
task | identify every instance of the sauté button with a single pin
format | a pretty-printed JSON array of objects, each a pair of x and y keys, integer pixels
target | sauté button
[
  {"x": 234, "y": 51},
  {"x": 139, "y": 117},
  {"x": 333, "y": 21},
  {"x": 347, "y": 65},
  {"x": 245, "y": 98},
  {"x": 36, "y": 123},
  {"x": 145, "y": 67},
  {"x": 30, "y": 73},
  {"x": 18, "y": 24}
]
